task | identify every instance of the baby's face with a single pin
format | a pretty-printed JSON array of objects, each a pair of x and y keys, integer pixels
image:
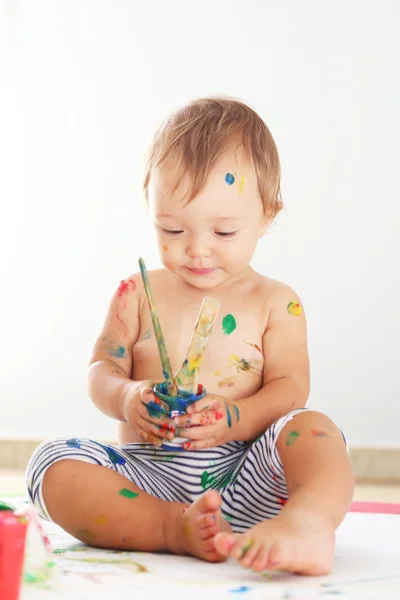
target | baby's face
[{"x": 210, "y": 241}]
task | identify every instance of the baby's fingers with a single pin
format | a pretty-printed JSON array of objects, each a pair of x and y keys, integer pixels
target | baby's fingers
[
  {"x": 207, "y": 403},
  {"x": 158, "y": 432}
]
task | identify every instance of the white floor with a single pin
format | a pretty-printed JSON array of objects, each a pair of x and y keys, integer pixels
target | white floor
[{"x": 367, "y": 566}]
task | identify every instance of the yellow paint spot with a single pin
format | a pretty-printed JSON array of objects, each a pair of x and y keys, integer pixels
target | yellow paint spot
[
  {"x": 165, "y": 248},
  {"x": 217, "y": 373},
  {"x": 241, "y": 183},
  {"x": 194, "y": 362},
  {"x": 227, "y": 382},
  {"x": 294, "y": 309},
  {"x": 100, "y": 520}
]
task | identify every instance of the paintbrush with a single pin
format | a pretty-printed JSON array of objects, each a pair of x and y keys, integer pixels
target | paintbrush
[
  {"x": 162, "y": 348},
  {"x": 189, "y": 371}
]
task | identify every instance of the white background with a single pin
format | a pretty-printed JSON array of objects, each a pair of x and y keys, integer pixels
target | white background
[{"x": 84, "y": 84}]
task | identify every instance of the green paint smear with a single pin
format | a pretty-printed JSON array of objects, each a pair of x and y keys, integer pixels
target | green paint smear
[
  {"x": 128, "y": 494},
  {"x": 228, "y": 324},
  {"x": 220, "y": 482},
  {"x": 292, "y": 438}
]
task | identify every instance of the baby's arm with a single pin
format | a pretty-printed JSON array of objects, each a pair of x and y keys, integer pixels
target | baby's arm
[
  {"x": 110, "y": 365},
  {"x": 286, "y": 382}
]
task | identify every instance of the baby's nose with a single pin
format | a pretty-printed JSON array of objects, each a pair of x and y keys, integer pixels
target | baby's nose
[{"x": 198, "y": 247}]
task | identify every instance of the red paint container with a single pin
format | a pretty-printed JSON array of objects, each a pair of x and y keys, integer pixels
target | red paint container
[{"x": 12, "y": 548}]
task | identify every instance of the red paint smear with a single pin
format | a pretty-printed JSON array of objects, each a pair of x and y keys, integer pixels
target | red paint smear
[
  {"x": 187, "y": 445},
  {"x": 124, "y": 287},
  {"x": 282, "y": 501},
  {"x": 123, "y": 290},
  {"x": 218, "y": 415},
  {"x": 318, "y": 433},
  {"x": 200, "y": 389}
]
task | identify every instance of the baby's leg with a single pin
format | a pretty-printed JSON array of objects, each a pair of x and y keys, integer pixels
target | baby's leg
[
  {"x": 320, "y": 485},
  {"x": 101, "y": 507}
]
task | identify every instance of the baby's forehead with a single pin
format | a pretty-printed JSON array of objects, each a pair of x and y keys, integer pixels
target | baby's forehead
[{"x": 232, "y": 180}]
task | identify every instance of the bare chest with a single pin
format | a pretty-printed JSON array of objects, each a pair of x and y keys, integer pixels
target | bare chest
[{"x": 232, "y": 365}]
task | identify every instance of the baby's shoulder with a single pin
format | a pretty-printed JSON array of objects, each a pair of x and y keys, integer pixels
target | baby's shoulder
[{"x": 274, "y": 294}]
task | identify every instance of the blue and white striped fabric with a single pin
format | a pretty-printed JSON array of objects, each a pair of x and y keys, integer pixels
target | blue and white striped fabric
[{"x": 250, "y": 477}]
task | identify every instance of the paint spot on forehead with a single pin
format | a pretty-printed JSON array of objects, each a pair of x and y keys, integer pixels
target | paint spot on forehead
[
  {"x": 294, "y": 309},
  {"x": 229, "y": 178},
  {"x": 228, "y": 324},
  {"x": 241, "y": 184}
]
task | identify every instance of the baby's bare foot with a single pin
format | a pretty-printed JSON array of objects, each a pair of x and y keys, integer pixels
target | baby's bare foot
[
  {"x": 201, "y": 522},
  {"x": 291, "y": 542}
]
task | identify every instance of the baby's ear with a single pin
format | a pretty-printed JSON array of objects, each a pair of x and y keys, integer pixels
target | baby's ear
[{"x": 264, "y": 227}]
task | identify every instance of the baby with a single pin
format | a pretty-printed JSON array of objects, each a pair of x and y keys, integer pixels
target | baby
[{"x": 261, "y": 478}]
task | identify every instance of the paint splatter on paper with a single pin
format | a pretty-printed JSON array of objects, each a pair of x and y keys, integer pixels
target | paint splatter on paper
[
  {"x": 292, "y": 438},
  {"x": 229, "y": 179},
  {"x": 128, "y": 493},
  {"x": 228, "y": 324},
  {"x": 294, "y": 309}
]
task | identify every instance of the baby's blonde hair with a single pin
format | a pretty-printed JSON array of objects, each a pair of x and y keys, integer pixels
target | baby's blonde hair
[{"x": 196, "y": 136}]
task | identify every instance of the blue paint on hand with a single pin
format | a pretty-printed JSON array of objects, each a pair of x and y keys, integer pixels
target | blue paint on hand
[{"x": 228, "y": 415}]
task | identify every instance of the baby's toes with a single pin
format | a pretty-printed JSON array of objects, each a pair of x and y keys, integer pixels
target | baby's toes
[
  {"x": 259, "y": 563},
  {"x": 242, "y": 546},
  {"x": 206, "y": 526},
  {"x": 224, "y": 542},
  {"x": 249, "y": 554},
  {"x": 207, "y": 520},
  {"x": 275, "y": 557}
]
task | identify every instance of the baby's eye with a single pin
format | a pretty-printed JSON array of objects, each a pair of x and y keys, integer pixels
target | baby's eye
[
  {"x": 226, "y": 234},
  {"x": 172, "y": 231}
]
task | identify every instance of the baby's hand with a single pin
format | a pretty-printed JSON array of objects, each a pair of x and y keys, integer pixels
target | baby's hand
[
  {"x": 208, "y": 422},
  {"x": 147, "y": 415}
]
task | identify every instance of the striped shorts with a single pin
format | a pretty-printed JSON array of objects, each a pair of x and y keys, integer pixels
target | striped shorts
[{"x": 249, "y": 477}]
